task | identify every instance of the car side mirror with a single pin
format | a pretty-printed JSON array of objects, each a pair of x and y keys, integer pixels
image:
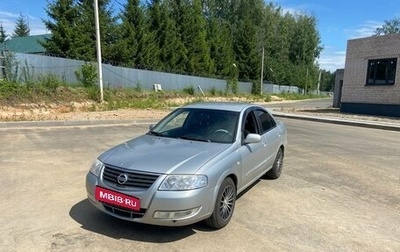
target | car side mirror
[
  {"x": 252, "y": 138},
  {"x": 151, "y": 127}
]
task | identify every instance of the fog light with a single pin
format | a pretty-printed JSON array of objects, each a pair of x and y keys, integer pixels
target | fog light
[{"x": 176, "y": 215}]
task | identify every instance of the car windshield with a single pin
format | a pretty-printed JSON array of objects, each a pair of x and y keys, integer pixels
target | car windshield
[{"x": 206, "y": 125}]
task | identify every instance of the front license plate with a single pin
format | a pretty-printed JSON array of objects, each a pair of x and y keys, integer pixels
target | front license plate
[{"x": 117, "y": 199}]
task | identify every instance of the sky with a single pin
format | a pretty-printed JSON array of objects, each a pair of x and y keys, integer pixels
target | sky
[{"x": 338, "y": 20}]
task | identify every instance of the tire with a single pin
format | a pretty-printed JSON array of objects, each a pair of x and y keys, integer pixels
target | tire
[
  {"x": 224, "y": 205},
  {"x": 276, "y": 170}
]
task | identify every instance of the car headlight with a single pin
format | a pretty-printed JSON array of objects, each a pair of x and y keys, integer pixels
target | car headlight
[
  {"x": 96, "y": 167},
  {"x": 183, "y": 182}
]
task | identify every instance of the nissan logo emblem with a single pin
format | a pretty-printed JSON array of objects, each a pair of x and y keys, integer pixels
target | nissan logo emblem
[{"x": 122, "y": 178}]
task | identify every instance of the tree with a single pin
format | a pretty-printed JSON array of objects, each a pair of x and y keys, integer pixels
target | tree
[
  {"x": 219, "y": 38},
  {"x": 193, "y": 30},
  {"x": 3, "y": 35},
  {"x": 173, "y": 54},
  {"x": 247, "y": 41},
  {"x": 21, "y": 27},
  {"x": 389, "y": 27},
  {"x": 199, "y": 37},
  {"x": 327, "y": 80},
  {"x": 86, "y": 29},
  {"x": 64, "y": 17},
  {"x": 72, "y": 27},
  {"x": 136, "y": 46}
]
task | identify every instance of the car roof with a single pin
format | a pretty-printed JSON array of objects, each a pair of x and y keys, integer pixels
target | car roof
[{"x": 229, "y": 106}]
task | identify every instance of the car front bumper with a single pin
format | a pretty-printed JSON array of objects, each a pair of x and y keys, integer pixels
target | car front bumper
[{"x": 163, "y": 208}]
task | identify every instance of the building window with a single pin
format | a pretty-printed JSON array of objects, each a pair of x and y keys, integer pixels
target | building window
[{"x": 381, "y": 71}]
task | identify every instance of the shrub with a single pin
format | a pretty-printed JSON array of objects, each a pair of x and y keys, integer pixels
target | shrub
[
  {"x": 232, "y": 85},
  {"x": 189, "y": 90},
  {"x": 255, "y": 87},
  {"x": 87, "y": 75},
  {"x": 49, "y": 81}
]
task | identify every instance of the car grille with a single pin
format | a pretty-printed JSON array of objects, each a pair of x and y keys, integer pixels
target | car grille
[
  {"x": 135, "y": 179},
  {"x": 124, "y": 212}
]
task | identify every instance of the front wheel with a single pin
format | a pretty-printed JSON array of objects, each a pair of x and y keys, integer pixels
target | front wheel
[
  {"x": 224, "y": 206},
  {"x": 276, "y": 170}
]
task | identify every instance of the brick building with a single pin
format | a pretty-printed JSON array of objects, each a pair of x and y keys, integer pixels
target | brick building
[{"x": 371, "y": 81}]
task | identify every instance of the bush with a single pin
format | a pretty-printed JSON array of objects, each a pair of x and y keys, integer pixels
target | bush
[
  {"x": 50, "y": 81},
  {"x": 87, "y": 75},
  {"x": 255, "y": 87},
  {"x": 232, "y": 85},
  {"x": 213, "y": 91},
  {"x": 93, "y": 93},
  {"x": 189, "y": 90}
]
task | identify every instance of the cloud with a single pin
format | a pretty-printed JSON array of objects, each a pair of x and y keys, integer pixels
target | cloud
[
  {"x": 8, "y": 19},
  {"x": 332, "y": 60},
  {"x": 364, "y": 30},
  {"x": 5, "y": 14}
]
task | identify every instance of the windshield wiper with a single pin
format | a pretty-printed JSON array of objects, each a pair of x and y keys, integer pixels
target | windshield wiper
[
  {"x": 156, "y": 133},
  {"x": 194, "y": 139}
]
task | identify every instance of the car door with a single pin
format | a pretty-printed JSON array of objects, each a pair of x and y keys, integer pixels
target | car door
[
  {"x": 252, "y": 154},
  {"x": 270, "y": 136}
]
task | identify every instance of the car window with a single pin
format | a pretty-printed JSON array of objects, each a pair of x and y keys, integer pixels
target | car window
[
  {"x": 266, "y": 120},
  {"x": 199, "y": 124},
  {"x": 250, "y": 125},
  {"x": 176, "y": 122},
  {"x": 212, "y": 125}
]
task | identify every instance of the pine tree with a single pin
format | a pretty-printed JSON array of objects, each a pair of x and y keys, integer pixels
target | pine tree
[
  {"x": 193, "y": 31},
  {"x": 86, "y": 27},
  {"x": 156, "y": 22},
  {"x": 136, "y": 46},
  {"x": 73, "y": 29},
  {"x": 3, "y": 35},
  {"x": 221, "y": 49},
  {"x": 247, "y": 40},
  {"x": 174, "y": 53},
  {"x": 63, "y": 27},
  {"x": 21, "y": 27}
]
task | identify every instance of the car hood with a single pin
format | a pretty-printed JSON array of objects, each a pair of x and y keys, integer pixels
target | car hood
[{"x": 162, "y": 155}]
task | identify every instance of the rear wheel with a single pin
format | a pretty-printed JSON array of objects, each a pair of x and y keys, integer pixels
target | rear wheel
[
  {"x": 224, "y": 206},
  {"x": 276, "y": 170}
]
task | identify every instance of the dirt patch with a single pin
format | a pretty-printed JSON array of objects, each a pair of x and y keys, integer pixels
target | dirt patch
[
  {"x": 80, "y": 111},
  {"x": 74, "y": 112}
]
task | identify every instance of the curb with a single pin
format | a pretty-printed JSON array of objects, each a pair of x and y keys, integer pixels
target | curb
[
  {"x": 358, "y": 123},
  {"x": 28, "y": 124}
]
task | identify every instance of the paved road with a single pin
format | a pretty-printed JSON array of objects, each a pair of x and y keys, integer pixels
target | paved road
[
  {"x": 340, "y": 191},
  {"x": 303, "y": 104}
]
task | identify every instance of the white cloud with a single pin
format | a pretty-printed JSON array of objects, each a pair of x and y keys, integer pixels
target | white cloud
[
  {"x": 331, "y": 61},
  {"x": 365, "y": 30},
  {"x": 8, "y": 14},
  {"x": 8, "y": 19}
]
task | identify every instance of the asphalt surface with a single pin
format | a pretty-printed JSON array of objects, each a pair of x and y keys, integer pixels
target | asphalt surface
[{"x": 339, "y": 191}]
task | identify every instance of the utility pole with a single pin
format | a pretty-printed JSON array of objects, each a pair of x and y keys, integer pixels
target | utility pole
[
  {"x": 98, "y": 47},
  {"x": 319, "y": 82},
  {"x": 262, "y": 72}
]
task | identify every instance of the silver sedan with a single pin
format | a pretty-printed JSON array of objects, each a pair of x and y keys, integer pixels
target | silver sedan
[{"x": 190, "y": 166}]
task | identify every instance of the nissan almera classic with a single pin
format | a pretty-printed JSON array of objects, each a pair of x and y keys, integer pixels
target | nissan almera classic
[{"x": 190, "y": 166}]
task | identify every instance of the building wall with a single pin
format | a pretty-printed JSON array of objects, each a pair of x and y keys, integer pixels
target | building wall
[
  {"x": 337, "y": 89},
  {"x": 367, "y": 99}
]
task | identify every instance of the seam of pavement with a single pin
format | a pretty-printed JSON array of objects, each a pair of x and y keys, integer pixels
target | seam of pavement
[{"x": 341, "y": 121}]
